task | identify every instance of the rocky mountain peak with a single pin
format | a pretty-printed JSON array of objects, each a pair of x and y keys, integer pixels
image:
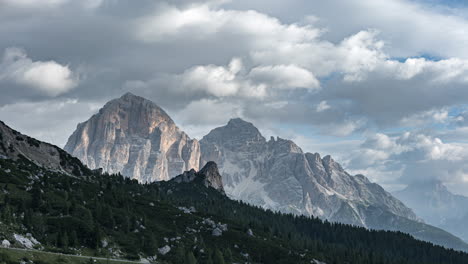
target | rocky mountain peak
[
  {"x": 244, "y": 128},
  {"x": 134, "y": 136},
  {"x": 209, "y": 175},
  {"x": 237, "y": 134},
  {"x": 212, "y": 176}
]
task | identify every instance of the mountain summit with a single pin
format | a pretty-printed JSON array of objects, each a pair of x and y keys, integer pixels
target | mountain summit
[
  {"x": 278, "y": 175},
  {"x": 135, "y": 137}
]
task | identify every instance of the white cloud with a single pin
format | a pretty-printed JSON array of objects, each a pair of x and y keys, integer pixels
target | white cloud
[
  {"x": 426, "y": 117},
  {"x": 219, "y": 81},
  {"x": 323, "y": 106},
  {"x": 285, "y": 77},
  {"x": 409, "y": 157},
  {"x": 236, "y": 80},
  {"x": 201, "y": 20},
  {"x": 48, "y": 77},
  {"x": 361, "y": 53}
]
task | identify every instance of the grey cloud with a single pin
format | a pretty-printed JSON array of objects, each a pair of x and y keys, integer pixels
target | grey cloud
[{"x": 340, "y": 60}]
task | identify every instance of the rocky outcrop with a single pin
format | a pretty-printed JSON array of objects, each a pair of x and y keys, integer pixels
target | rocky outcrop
[
  {"x": 135, "y": 137},
  {"x": 14, "y": 145},
  {"x": 209, "y": 176}
]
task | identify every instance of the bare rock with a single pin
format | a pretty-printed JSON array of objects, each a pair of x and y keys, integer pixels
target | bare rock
[{"x": 135, "y": 137}]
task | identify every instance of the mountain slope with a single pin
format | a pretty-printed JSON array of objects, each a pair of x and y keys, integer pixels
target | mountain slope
[
  {"x": 434, "y": 203},
  {"x": 278, "y": 175},
  {"x": 14, "y": 145},
  {"x": 135, "y": 137},
  {"x": 181, "y": 222}
]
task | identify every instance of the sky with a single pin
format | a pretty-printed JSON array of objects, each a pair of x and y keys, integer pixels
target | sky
[{"x": 381, "y": 85}]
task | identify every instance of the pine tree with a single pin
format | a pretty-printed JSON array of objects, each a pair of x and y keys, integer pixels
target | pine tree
[
  {"x": 73, "y": 240},
  {"x": 179, "y": 256},
  {"x": 218, "y": 257},
  {"x": 190, "y": 258},
  {"x": 149, "y": 244}
]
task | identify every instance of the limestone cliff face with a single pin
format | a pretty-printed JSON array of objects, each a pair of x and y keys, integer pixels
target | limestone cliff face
[
  {"x": 135, "y": 137},
  {"x": 278, "y": 175}
]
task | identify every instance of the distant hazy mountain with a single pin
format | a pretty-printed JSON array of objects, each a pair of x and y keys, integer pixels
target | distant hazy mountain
[
  {"x": 434, "y": 203},
  {"x": 135, "y": 137}
]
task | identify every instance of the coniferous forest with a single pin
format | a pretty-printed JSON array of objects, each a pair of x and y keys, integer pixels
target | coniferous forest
[{"x": 109, "y": 215}]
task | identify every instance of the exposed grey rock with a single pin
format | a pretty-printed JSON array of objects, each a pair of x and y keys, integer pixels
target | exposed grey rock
[
  {"x": 278, "y": 175},
  {"x": 208, "y": 176},
  {"x": 135, "y": 137},
  {"x": 14, "y": 145},
  {"x": 164, "y": 250},
  {"x": 211, "y": 176},
  {"x": 216, "y": 232}
]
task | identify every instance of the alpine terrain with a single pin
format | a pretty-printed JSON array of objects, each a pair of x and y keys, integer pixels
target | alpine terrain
[
  {"x": 87, "y": 216},
  {"x": 135, "y": 137}
]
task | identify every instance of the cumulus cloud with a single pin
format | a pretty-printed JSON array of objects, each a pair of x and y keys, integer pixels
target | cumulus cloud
[
  {"x": 410, "y": 157},
  {"x": 48, "y": 77},
  {"x": 235, "y": 80},
  {"x": 285, "y": 77},
  {"x": 202, "y": 20}
]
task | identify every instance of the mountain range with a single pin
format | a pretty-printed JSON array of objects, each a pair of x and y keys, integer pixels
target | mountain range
[
  {"x": 135, "y": 137},
  {"x": 51, "y": 202}
]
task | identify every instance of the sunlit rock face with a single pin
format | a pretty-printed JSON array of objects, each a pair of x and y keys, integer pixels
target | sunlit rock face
[
  {"x": 135, "y": 137},
  {"x": 278, "y": 175}
]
